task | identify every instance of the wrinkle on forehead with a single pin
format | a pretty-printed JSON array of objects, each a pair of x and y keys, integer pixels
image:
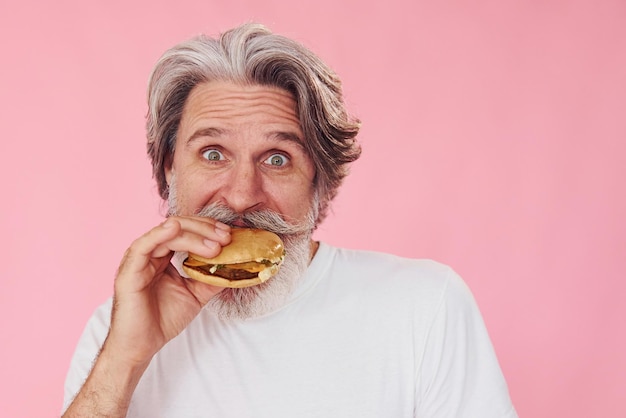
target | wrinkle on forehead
[
  {"x": 217, "y": 109},
  {"x": 222, "y": 100}
]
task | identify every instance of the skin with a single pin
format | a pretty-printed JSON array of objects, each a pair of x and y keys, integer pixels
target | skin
[
  {"x": 247, "y": 141},
  {"x": 238, "y": 145}
]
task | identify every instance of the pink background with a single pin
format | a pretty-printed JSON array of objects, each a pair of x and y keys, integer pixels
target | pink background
[{"x": 494, "y": 140}]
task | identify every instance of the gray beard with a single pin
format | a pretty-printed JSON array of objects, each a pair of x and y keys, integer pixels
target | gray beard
[{"x": 267, "y": 297}]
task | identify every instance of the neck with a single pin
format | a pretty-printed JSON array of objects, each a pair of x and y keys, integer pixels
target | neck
[{"x": 314, "y": 245}]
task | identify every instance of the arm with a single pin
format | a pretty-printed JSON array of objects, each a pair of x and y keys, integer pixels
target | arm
[
  {"x": 107, "y": 391},
  {"x": 459, "y": 374},
  {"x": 151, "y": 305}
]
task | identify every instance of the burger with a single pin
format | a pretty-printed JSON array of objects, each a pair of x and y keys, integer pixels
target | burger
[{"x": 251, "y": 258}]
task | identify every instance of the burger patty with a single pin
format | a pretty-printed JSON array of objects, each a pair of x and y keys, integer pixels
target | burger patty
[
  {"x": 235, "y": 271},
  {"x": 230, "y": 273},
  {"x": 226, "y": 272}
]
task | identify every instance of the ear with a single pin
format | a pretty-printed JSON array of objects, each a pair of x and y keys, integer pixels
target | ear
[{"x": 168, "y": 170}]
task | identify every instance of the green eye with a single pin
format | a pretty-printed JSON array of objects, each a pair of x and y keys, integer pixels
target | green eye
[
  {"x": 277, "y": 160},
  {"x": 213, "y": 155}
]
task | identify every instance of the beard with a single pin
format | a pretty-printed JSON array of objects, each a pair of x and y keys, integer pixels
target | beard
[{"x": 255, "y": 301}]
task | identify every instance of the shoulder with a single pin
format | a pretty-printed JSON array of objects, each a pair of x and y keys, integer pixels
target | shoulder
[
  {"x": 101, "y": 317},
  {"x": 423, "y": 284},
  {"x": 86, "y": 350},
  {"x": 384, "y": 269}
]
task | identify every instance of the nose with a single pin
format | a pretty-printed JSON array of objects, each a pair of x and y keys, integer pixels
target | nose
[{"x": 243, "y": 190}]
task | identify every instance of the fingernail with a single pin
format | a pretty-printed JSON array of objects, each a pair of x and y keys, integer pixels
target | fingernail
[
  {"x": 222, "y": 226},
  {"x": 210, "y": 244},
  {"x": 221, "y": 232}
]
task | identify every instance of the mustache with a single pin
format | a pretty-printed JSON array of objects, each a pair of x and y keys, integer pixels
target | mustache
[{"x": 260, "y": 219}]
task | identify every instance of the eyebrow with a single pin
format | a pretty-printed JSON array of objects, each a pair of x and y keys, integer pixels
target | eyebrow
[
  {"x": 215, "y": 132},
  {"x": 205, "y": 132},
  {"x": 288, "y": 136}
]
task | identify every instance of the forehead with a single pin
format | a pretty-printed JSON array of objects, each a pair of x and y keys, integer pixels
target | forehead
[{"x": 227, "y": 102}]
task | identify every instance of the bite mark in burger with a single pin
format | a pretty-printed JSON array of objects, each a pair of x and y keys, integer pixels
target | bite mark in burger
[{"x": 251, "y": 258}]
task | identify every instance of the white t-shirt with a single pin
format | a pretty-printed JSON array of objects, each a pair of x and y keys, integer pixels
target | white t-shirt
[{"x": 364, "y": 335}]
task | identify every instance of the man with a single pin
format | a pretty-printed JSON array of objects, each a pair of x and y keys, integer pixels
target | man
[{"x": 250, "y": 130}]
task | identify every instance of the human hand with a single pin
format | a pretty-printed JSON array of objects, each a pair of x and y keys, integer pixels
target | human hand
[{"x": 152, "y": 302}]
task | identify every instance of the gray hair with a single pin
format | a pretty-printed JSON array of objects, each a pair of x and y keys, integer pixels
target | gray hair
[{"x": 251, "y": 54}]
